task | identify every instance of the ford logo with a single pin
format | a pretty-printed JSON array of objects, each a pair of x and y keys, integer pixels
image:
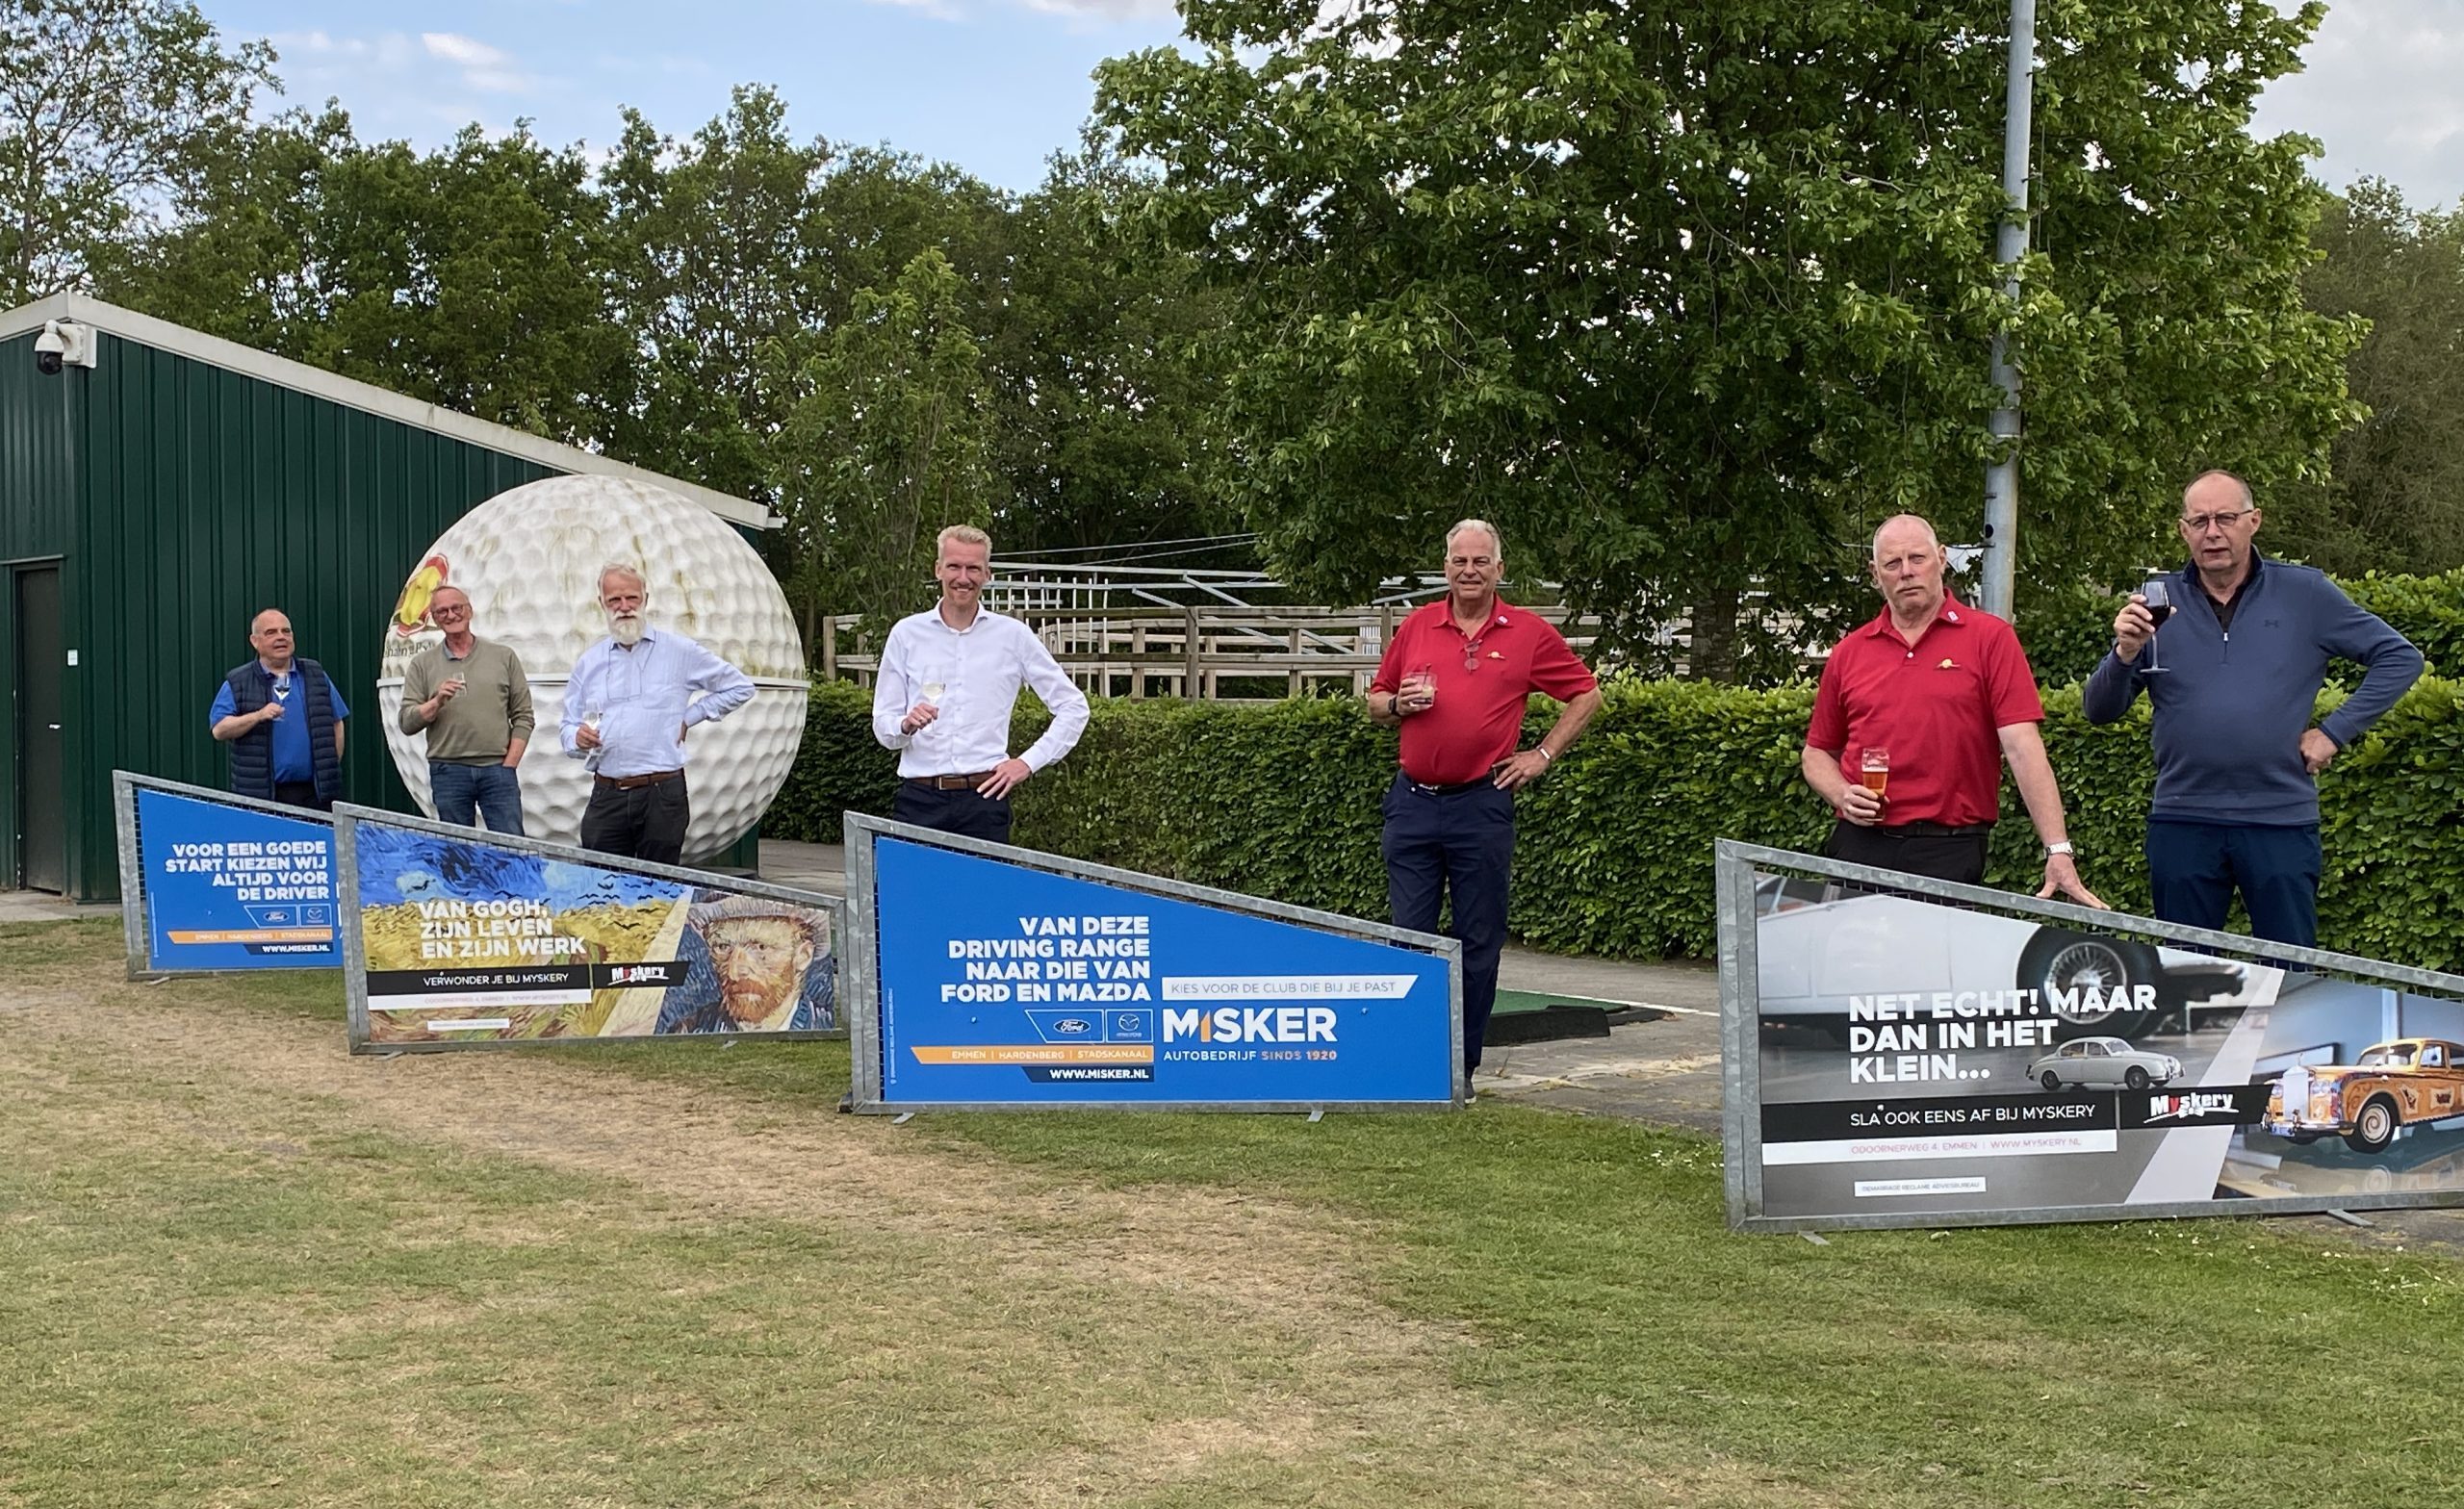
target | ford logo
[{"x": 1073, "y": 1025}]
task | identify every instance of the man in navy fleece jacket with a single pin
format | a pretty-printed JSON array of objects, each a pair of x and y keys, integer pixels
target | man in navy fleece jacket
[{"x": 2237, "y": 757}]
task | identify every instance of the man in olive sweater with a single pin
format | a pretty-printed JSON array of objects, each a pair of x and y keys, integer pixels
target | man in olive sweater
[
  {"x": 2233, "y": 680},
  {"x": 471, "y": 696}
]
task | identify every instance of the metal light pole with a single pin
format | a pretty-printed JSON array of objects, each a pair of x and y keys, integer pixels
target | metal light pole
[{"x": 2002, "y": 475}]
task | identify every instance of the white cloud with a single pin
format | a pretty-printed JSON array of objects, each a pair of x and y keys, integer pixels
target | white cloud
[
  {"x": 471, "y": 53},
  {"x": 2377, "y": 90},
  {"x": 420, "y": 86},
  {"x": 1107, "y": 9}
]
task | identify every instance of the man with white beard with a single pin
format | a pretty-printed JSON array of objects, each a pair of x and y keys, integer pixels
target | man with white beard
[{"x": 627, "y": 708}]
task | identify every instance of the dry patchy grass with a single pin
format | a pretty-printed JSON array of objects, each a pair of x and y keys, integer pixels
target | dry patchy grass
[{"x": 247, "y": 1268}]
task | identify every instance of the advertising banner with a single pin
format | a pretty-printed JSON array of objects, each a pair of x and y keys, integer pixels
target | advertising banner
[
  {"x": 1912, "y": 1061},
  {"x": 213, "y": 881},
  {"x": 1016, "y": 984},
  {"x": 457, "y": 940}
]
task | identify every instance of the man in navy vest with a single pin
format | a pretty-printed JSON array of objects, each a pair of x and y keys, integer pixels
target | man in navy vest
[{"x": 283, "y": 719}]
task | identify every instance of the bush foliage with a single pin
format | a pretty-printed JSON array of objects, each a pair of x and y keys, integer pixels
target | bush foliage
[{"x": 1614, "y": 851}]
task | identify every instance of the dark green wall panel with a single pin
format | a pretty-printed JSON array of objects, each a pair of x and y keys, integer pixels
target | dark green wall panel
[{"x": 201, "y": 496}]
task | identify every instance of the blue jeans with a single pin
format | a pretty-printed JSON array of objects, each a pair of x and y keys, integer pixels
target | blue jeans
[
  {"x": 494, "y": 791},
  {"x": 2193, "y": 867},
  {"x": 1460, "y": 842}
]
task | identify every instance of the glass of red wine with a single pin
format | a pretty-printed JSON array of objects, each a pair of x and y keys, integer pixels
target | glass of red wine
[{"x": 2159, "y": 599}]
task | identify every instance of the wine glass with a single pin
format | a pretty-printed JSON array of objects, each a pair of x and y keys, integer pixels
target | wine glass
[{"x": 2158, "y": 596}]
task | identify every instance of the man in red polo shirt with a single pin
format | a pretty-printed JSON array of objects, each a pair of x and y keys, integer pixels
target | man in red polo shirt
[
  {"x": 1944, "y": 690},
  {"x": 1455, "y": 679}
]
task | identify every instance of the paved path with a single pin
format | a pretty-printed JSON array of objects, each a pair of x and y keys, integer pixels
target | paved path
[{"x": 1667, "y": 1069}]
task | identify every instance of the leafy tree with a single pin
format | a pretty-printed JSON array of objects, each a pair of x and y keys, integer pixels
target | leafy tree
[
  {"x": 2395, "y": 502},
  {"x": 475, "y": 277},
  {"x": 1099, "y": 396},
  {"x": 1689, "y": 296},
  {"x": 886, "y": 440},
  {"x": 107, "y": 108},
  {"x": 717, "y": 260}
]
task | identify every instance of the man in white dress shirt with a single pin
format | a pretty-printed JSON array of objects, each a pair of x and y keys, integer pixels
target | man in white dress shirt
[
  {"x": 627, "y": 708},
  {"x": 949, "y": 678}
]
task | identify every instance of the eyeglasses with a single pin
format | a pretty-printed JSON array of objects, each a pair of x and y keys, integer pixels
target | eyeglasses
[
  {"x": 449, "y": 610},
  {"x": 2200, "y": 524},
  {"x": 1471, "y": 656}
]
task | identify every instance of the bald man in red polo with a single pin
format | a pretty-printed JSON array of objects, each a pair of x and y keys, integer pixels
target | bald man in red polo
[
  {"x": 1946, "y": 691},
  {"x": 1455, "y": 680}
]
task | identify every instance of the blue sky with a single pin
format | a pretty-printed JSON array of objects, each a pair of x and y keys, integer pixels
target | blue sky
[
  {"x": 997, "y": 86},
  {"x": 994, "y": 86}
]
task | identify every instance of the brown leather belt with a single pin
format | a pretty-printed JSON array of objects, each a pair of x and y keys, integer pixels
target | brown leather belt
[
  {"x": 636, "y": 782},
  {"x": 950, "y": 783}
]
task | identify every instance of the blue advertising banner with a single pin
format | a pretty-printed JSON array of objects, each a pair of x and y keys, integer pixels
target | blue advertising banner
[
  {"x": 226, "y": 886},
  {"x": 1002, "y": 984}
]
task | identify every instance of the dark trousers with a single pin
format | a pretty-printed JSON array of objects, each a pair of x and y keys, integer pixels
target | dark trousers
[
  {"x": 1460, "y": 842},
  {"x": 961, "y": 811},
  {"x": 300, "y": 793},
  {"x": 2193, "y": 867},
  {"x": 640, "y": 823},
  {"x": 466, "y": 793},
  {"x": 1940, "y": 856}
]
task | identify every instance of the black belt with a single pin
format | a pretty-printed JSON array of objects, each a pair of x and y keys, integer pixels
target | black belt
[
  {"x": 950, "y": 783},
  {"x": 1424, "y": 788},
  {"x": 636, "y": 782},
  {"x": 1935, "y": 830}
]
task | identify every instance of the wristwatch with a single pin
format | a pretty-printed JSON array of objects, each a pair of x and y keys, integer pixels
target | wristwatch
[
  {"x": 2063, "y": 847},
  {"x": 1394, "y": 705}
]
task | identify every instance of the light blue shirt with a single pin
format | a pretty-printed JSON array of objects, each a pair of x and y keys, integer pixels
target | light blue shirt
[{"x": 643, "y": 696}]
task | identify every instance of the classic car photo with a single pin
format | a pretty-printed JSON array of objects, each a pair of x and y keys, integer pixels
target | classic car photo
[
  {"x": 2101, "y": 1062},
  {"x": 1820, "y": 947},
  {"x": 2392, "y": 1086}
]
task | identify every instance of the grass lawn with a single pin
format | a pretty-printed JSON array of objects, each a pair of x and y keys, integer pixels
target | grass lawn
[{"x": 246, "y": 1269}]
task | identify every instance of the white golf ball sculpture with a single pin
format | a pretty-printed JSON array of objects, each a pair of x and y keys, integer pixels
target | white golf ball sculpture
[{"x": 529, "y": 559}]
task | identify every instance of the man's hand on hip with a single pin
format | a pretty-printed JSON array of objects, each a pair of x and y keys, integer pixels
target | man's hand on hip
[
  {"x": 1005, "y": 779},
  {"x": 2317, "y": 750},
  {"x": 1518, "y": 771}
]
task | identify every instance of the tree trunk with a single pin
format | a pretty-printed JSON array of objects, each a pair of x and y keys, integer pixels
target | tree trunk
[{"x": 1712, "y": 645}]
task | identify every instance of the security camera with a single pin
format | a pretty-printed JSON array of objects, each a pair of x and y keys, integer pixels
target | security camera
[{"x": 63, "y": 342}]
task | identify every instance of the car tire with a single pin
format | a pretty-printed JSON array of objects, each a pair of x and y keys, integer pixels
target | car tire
[
  {"x": 2058, "y": 958},
  {"x": 2134, "y": 1077},
  {"x": 2051, "y": 1081},
  {"x": 2376, "y": 1127}
]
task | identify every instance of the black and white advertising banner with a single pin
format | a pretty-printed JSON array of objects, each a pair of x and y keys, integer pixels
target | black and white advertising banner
[{"x": 1898, "y": 1056}]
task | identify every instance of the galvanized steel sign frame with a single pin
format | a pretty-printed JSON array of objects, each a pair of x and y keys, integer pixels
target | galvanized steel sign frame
[{"x": 1899, "y": 1051}]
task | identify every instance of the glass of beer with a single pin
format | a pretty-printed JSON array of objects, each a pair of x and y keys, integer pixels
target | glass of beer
[
  {"x": 1873, "y": 771},
  {"x": 1421, "y": 682},
  {"x": 2159, "y": 599}
]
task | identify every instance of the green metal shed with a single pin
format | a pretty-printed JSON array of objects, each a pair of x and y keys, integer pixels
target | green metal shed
[{"x": 152, "y": 503}]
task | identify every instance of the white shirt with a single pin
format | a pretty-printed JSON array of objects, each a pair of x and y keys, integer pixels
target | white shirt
[
  {"x": 979, "y": 669},
  {"x": 643, "y": 699}
]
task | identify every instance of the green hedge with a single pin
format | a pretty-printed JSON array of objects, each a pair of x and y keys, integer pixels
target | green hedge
[
  {"x": 2068, "y": 630},
  {"x": 1614, "y": 850}
]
